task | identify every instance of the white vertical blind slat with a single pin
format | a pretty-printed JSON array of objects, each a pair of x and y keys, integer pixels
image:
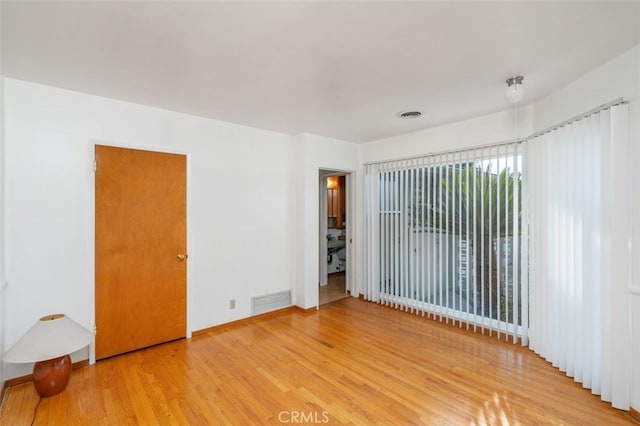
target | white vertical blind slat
[
  {"x": 475, "y": 245},
  {"x": 579, "y": 199},
  {"x": 468, "y": 239},
  {"x": 460, "y": 266},
  {"x": 413, "y": 264},
  {"x": 422, "y": 260},
  {"x": 431, "y": 249},
  {"x": 516, "y": 246},
  {"x": 621, "y": 254},
  {"x": 525, "y": 228},
  {"x": 506, "y": 247},
  {"x": 605, "y": 294},
  {"x": 400, "y": 233},
  {"x": 482, "y": 249},
  {"x": 441, "y": 219},
  {"x": 447, "y": 240},
  {"x": 498, "y": 214},
  {"x": 490, "y": 256}
]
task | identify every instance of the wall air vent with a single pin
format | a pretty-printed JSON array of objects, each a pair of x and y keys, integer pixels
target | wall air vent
[{"x": 270, "y": 302}]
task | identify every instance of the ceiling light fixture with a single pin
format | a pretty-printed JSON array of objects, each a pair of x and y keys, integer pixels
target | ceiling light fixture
[
  {"x": 332, "y": 182},
  {"x": 515, "y": 90},
  {"x": 409, "y": 114}
]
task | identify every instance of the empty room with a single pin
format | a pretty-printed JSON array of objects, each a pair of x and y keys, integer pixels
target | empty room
[{"x": 319, "y": 212}]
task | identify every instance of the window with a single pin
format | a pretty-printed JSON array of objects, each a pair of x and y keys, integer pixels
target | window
[{"x": 445, "y": 237}]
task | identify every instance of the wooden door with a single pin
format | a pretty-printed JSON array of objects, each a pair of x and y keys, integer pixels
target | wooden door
[{"x": 141, "y": 271}]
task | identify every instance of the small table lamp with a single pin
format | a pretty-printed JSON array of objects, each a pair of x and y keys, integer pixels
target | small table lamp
[{"x": 48, "y": 343}]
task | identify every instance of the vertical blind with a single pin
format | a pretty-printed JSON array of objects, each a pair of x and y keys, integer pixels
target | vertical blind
[
  {"x": 528, "y": 240},
  {"x": 444, "y": 237},
  {"x": 580, "y": 258}
]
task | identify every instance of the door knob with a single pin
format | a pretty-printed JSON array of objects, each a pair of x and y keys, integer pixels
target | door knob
[{"x": 182, "y": 257}]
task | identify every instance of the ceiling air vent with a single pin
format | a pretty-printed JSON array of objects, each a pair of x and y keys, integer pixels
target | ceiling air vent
[{"x": 407, "y": 115}]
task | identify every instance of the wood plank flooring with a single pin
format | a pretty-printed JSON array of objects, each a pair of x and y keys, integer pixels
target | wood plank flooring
[
  {"x": 351, "y": 362},
  {"x": 334, "y": 290}
]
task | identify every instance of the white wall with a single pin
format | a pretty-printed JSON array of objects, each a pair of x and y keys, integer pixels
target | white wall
[
  {"x": 240, "y": 204},
  {"x": 488, "y": 129},
  {"x": 314, "y": 153},
  {"x": 619, "y": 78}
]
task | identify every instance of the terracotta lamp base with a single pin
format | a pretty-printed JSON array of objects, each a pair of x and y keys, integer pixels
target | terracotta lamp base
[{"x": 51, "y": 377}]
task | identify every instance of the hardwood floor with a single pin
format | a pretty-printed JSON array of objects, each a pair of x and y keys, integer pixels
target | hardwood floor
[
  {"x": 335, "y": 288},
  {"x": 352, "y": 362}
]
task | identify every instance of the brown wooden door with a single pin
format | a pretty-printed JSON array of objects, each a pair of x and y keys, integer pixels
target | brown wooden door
[{"x": 140, "y": 234}]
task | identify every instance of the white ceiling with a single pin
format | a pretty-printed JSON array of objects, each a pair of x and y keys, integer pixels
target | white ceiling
[{"x": 337, "y": 69}]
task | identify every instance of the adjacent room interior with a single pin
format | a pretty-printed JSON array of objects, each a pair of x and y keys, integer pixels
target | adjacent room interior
[
  {"x": 333, "y": 278},
  {"x": 320, "y": 212}
]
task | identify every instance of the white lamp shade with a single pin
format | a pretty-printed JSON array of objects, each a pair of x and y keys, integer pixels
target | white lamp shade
[{"x": 51, "y": 337}]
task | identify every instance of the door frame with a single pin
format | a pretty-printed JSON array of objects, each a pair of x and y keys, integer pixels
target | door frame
[
  {"x": 92, "y": 200},
  {"x": 349, "y": 224}
]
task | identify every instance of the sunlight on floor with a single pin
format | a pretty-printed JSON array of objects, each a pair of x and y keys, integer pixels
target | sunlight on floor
[{"x": 497, "y": 411}]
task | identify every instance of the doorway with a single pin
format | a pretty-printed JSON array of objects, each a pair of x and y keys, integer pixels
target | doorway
[
  {"x": 335, "y": 236},
  {"x": 140, "y": 264}
]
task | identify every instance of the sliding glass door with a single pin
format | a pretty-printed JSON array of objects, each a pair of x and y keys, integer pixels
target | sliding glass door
[{"x": 446, "y": 237}]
